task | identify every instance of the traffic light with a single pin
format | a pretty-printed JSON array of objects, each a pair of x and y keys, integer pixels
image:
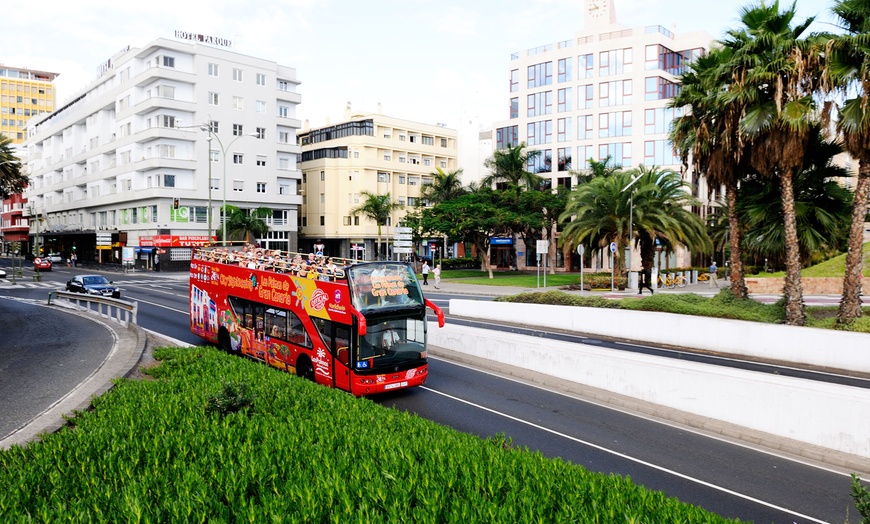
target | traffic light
[{"x": 174, "y": 203}]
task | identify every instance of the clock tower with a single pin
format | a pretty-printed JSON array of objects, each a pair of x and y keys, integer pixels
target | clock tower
[{"x": 599, "y": 12}]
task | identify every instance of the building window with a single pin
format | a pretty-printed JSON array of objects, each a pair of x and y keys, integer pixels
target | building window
[
  {"x": 237, "y": 75},
  {"x": 563, "y": 99},
  {"x": 540, "y": 132},
  {"x": 401, "y": 179},
  {"x": 413, "y": 180},
  {"x": 658, "y": 121},
  {"x": 283, "y": 85},
  {"x": 615, "y": 62},
  {"x": 383, "y": 177},
  {"x": 564, "y": 67},
  {"x": 168, "y": 121},
  {"x": 585, "y": 100},
  {"x": 261, "y": 133},
  {"x": 213, "y": 69},
  {"x": 563, "y": 129},
  {"x": 614, "y": 124},
  {"x": 443, "y": 142},
  {"x": 412, "y": 201},
  {"x": 515, "y": 80},
  {"x": 213, "y": 98},
  {"x": 586, "y": 66},
  {"x": 214, "y": 155},
  {"x": 284, "y": 137},
  {"x": 283, "y": 112},
  {"x": 322, "y": 220},
  {"x": 540, "y": 103},
  {"x": 238, "y": 186},
  {"x": 168, "y": 61},
  {"x": 428, "y": 141},
  {"x": 261, "y": 160},
  {"x": 585, "y": 126},
  {"x": 215, "y": 183},
  {"x": 238, "y": 158},
  {"x": 387, "y": 157},
  {"x": 563, "y": 155},
  {"x": 616, "y": 93},
  {"x": 261, "y": 107},
  {"x": 540, "y": 75},
  {"x": 238, "y": 130},
  {"x": 542, "y": 163},
  {"x": 261, "y": 187},
  {"x": 261, "y": 79},
  {"x": 213, "y": 126},
  {"x": 401, "y": 159},
  {"x": 619, "y": 153},
  {"x": 238, "y": 102}
]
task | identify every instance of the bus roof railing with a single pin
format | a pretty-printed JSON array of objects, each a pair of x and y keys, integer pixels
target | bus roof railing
[{"x": 274, "y": 260}]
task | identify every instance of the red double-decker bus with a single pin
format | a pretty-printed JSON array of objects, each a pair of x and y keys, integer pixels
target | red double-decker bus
[{"x": 358, "y": 327}]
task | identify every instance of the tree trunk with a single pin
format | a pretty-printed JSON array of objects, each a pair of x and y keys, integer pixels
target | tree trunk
[
  {"x": 738, "y": 275},
  {"x": 850, "y": 302},
  {"x": 795, "y": 314},
  {"x": 487, "y": 266}
]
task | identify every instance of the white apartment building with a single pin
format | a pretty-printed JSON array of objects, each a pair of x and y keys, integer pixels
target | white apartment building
[
  {"x": 373, "y": 153},
  {"x": 148, "y": 153},
  {"x": 603, "y": 93}
]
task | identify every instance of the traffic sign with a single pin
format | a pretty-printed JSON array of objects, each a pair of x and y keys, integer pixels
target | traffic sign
[
  {"x": 613, "y": 247},
  {"x": 405, "y": 230},
  {"x": 402, "y": 237},
  {"x": 580, "y": 250},
  {"x": 404, "y": 250},
  {"x": 403, "y": 243}
]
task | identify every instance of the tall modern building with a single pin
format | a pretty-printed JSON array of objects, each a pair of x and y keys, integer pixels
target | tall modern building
[
  {"x": 146, "y": 156},
  {"x": 373, "y": 153},
  {"x": 601, "y": 94},
  {"x": 24, "y": 93}
]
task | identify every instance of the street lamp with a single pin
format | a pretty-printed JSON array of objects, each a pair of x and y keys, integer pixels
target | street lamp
[
  {"x": 212, "y": 134},
  {"x": 630, "y": 217}
]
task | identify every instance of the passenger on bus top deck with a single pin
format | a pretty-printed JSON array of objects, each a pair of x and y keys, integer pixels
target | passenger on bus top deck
[{"x": 311, "y": 259}]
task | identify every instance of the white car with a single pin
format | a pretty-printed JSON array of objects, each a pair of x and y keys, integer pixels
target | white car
[
  {"x": 2, "y": 273},
  {"x": 54, "y": 258}
]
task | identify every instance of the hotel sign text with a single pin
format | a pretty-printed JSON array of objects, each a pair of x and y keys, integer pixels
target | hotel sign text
[{"x": 205, "y": 39}]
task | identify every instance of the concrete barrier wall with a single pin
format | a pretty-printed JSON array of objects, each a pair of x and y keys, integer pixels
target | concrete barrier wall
[
  {"x": 821, "y": 414},
  {"x": 800, "y": 345}
]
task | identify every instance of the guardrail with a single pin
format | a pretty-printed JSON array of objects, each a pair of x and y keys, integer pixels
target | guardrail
[{"x": 125, "y": 313}]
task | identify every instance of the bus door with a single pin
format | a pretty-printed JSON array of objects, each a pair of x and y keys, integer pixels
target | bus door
[{"x": 337, "y": 339}]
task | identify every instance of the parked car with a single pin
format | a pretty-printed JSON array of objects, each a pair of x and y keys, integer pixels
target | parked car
[
  {"x": 41, "y": 264},
  {"x": 54, "y": 258},
  {"x": 93, "y": 285},
  {"x": 2, "y": 273}
]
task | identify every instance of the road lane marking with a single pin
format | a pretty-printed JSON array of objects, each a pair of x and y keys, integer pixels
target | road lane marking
[{"x": 627, "y": 457}]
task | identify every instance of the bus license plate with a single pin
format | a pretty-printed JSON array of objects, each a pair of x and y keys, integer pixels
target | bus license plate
[{"x": 396, "y": 385}]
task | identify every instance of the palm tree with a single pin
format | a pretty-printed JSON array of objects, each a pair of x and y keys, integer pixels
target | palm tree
[
  {"x": 848, "y": 68},
  {"x": 708, "y": 135},
  {"x": 821, "y": 207},
  {"x": 445, "y": 186},
  {"x": 378, "y": 208},
  {"x": 778, "y": 72},
  {"x": 662, "y": 210},
  {"x": 12, "y": 179},
  {"x": 510, "y": 167},
  {"x": 598, "y": 214},
  {"x": 246, "y": 224}
]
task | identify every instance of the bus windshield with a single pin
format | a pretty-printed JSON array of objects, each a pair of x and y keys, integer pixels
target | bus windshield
[
  {"x": 383, "y": 286},
  {"x": 391, "y": 342}
]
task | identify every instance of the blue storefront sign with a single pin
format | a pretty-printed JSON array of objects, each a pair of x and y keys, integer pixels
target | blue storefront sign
[{"x": 501, "y": 241}]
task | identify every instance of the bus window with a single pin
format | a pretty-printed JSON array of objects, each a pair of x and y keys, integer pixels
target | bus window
[
  {"x": 336, "y": 337},
  {"x": 296, "y": 332},
  {"x": 384, "y": 285},
  {"x": 276, "y": 323}
]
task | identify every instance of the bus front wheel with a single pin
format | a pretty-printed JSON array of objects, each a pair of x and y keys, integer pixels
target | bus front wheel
[{"x": 304, "y": 369}]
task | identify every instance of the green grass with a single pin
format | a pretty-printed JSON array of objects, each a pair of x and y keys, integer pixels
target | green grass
[
  {"x": 156, "y": 451},
  {"x": 722, "y": 305},
  {"x": 507, "y": 278},
  {"x": 834, "y": 267}
]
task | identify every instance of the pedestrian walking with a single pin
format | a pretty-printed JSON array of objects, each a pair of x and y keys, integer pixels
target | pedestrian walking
[
  {"x": 425, "y": 272},
  {"x": 713, "y": 279},
  {"x": 645, "y": 280},
  {"x": 437, "y": 273}
]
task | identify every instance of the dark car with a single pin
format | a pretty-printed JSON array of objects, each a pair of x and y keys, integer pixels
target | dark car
[
  {"x": 93, "y": 285},
  {"x": 41, "y": 264}
]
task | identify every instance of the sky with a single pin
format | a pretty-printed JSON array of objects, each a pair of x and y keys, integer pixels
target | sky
[{"x": 442, "y": 61}]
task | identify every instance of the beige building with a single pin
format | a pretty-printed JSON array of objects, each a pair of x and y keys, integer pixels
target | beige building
[
  {"x": 373, "y": 153},
  {"x": 603, "y": 93},
  {"x": 24, "y": 93}
]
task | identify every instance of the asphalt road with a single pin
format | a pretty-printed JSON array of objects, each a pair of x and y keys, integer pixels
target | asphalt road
[{"x": 43, "y": 356}]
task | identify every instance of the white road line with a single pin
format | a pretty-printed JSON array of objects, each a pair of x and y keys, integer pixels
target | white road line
[{"x": 627, "y": 457}]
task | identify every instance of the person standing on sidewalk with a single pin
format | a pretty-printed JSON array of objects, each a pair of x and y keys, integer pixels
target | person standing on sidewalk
[
  {"x": 437, "y": 273},
  {"x": 425, "y": 272},
  {"x": 713, "y": 279},
  {"x": 645, "y": 280}
]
